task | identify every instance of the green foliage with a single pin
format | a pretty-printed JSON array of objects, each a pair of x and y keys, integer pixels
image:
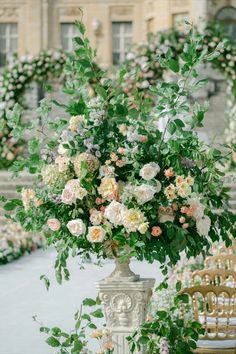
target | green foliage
[
  {"x": 166, "y": 331},
  {"x": 75, "y": 341},
  {"x": 118, "y": 132}
]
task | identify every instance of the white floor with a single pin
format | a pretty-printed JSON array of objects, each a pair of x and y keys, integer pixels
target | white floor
[{"x": 23, "y": 294}]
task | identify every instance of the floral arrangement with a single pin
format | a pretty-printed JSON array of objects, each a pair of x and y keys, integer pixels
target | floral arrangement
[
  {"x": 165, "y": 332},
  {"x": 15, "y": 242},
  {"x": 75, "y": 342},
  {"x": 115, "y": 186},
  {"x": 13, "y": 83},
  {"x": 142, "y": 70}
]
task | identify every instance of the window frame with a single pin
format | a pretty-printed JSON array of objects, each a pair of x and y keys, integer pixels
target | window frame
[
  {"x": 71, "y": 34},
  {"x": 121, "y": 36},
  {"x": 8, "y": 37}
]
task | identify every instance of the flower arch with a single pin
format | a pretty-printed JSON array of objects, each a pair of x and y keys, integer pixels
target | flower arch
[
  {"x": 143, "y": 70},
  {"x": 13, "y": 83}
]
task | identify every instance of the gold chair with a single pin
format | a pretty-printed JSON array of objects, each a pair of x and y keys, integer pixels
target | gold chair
[
  {"x": 221, "y": 262},
  {"x": 218, "y": 277},
  {"x": 220, "y": 336}
]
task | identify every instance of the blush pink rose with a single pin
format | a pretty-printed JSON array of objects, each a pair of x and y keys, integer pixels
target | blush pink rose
[{"x": 54, "y": 224}]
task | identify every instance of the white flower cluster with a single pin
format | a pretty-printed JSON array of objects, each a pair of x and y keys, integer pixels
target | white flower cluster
[
  {"x": 21, "y": 71},
  {"x": 14, "y": 242}
]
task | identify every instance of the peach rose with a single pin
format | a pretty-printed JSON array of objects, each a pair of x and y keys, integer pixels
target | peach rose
[
  {"x": 182, "y": 219},
  {"x": 156, "y": 231},
  {"x": 96, "y": 234},
  {"x": 108, "y": 188},
  {"x": 169, "y": 173}
]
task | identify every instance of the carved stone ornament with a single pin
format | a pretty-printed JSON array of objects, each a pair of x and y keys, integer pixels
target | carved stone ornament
[
  {"x": 69, "y": 11},
  {"x": 125, "y": 307},
  {"x": 9, "y": 12}
]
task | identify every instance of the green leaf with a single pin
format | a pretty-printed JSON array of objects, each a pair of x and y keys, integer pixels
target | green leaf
[
  {"x": 173, "y": 65},
  {"x": 80, "y": 27},
  {"x": 171, "y": 128},
  {"x": 101, "y": 91},
  {"x": 179, "y": 123},
  {"x": 78, "y": 40},
  {"x": 53, "y": 342},
  {"x": 89, "y": 302},
  {"x": 97, "y": 313},
  {"x": 178, "y": 286}
]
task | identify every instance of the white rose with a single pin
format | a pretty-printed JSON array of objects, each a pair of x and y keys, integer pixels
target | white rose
[
  {"x": 96, "y": 217},
  {"x": 203, "y": 225},
  {"x": 149, "y": 171},
  {"x": 106, "y": 171},
  {"x": 158, "y": 186},
  {"x": 144, "y": 193},
  {"x": 114, "y": 212},
  {"x": 196, "y": 207},
  {"x": 132, "y": 219},
  {"x": 73, "y": 186},
  {"x": 184, "y": 190},
  {"x": 96, "y": 234},
  {"x": 76, "y": 227},
  {"x": 62, "y": 162},
  {"x": 165, "y": 217},
  {"x": 143, "y": 228},
  {"x": 68, "y": 196},
  {"x": 61, "y": 150}
]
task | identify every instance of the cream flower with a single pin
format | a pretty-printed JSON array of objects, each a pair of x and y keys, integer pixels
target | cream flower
[
  {"x": 68, "y": 196},
  {"x": 166, "y": 217},
  {"x": 62, "y": 162},
  {"x": 96, "y": 234},
  {"x": 75, "y": 122},
  {"x": 143, "y": 228},
  {"x": 28, "y": 195},
  {"x": 96, "y": 217},
  {"x": 76, "y": 227},
  {"x": 114, "y": 212},
  {"x": 158, "y": 186},
  {"x": 61, "y": 150},
  {"x": 196, "y": 207},
  {"x": 108, "y": 188},
  {"x": 144, "y": 193},
  {"x": 189, "y": 180},
  {"x": 179, "y": 180},
  {"x": 92, "y": 163},
  {"x": 97, "y": 333},
  {"x": 53, "y": 177},
  {"x": 149, "y": 171},
  {"x": 184, "y": 190},
  {"x": 170, "y": 192},
  {"x": 54, "y": 224},
  {"x": 73, "y": 191},
  {"x": 123, "y": 129},
  {"x": 203, "y": 225},
  {"x": 132, "y": 219},
  {"x": 106, "y": 171}
]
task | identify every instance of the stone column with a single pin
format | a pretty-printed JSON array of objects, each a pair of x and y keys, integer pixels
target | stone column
[
  {"x": 200, "y": 13},
  {"x": 125, "y": 305}
]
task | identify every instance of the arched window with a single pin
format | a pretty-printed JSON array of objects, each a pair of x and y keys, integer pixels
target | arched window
[{"x": 228, "y": 16}]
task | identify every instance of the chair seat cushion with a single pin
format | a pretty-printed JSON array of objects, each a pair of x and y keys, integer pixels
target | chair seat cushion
[
  {"x": 217, "y": 344},
  {"x": 221, "y": 320}
]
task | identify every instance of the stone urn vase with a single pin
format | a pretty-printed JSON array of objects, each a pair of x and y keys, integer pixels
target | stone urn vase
[{"x": 125, "y": 297}]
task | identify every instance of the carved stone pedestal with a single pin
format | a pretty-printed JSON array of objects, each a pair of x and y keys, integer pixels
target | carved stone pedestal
[{"x": 125, "y": 306}]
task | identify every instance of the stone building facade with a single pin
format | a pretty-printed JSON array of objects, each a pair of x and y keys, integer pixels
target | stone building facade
[{"x": 28, "y": 26}]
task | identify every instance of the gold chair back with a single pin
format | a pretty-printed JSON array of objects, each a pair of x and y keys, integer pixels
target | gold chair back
[
  {"x": 224, "y": 307},
  {"x": 221, "y": 262},
  {"x": 218, "y": 277}
]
